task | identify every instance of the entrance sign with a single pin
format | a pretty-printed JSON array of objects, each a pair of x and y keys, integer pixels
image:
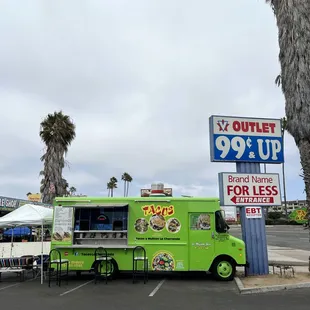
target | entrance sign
[
  {"x": 253, "y": 212},
  {"x": 249, "y": 189},
  {"x": 240, "y": 139}
]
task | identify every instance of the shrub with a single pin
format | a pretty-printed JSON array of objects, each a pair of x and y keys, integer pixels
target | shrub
[
  {"x": 269, "y": 222},
  {"x": 292, "y": 222},
  {"x": 281, "y": 221},
  {"x": 274, "y": 215}
]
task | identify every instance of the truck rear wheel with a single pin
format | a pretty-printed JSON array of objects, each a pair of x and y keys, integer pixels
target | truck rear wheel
[
  {"x": 112, "y": 268},
  {"x": 223, "y": 269}
]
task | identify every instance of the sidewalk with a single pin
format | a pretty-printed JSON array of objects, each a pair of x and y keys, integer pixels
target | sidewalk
[
  {"x": 278, "y": 279},
  {"x": 289, "y": 256},
  {"x": 299, "y": 259}
]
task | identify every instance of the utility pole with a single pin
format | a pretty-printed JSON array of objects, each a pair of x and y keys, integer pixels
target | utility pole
[
  {"x": 284, "y": 191},
  {"x": 267, "y": 209}
]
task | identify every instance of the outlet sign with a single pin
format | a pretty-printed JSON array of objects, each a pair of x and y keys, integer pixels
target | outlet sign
[
  {"x": 249, "y": 189},
  {"x": 253, "y": 212},
  {"x": 240, "y": 139}
]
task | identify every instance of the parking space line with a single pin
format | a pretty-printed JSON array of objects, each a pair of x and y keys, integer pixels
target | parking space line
[
  {"x": 157, "y": 288},
  {"x": 76, "y": 288},
  {"x": 12, "y": 285},
  {"x": 16, "y": 284}
]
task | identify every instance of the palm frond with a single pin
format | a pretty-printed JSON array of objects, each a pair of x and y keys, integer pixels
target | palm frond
[
  {"x": 278, "y": 80},
  {"x": 272, "y": 4},
  {"x": 113, "y": 180},
  {"x": 57, "y": 128}
]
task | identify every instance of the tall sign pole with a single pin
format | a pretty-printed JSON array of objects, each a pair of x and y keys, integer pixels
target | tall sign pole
[{"x": 249, "y": 142}]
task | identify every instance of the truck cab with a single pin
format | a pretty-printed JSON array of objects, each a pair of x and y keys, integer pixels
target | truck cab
[{"x": 211, "y": 246}]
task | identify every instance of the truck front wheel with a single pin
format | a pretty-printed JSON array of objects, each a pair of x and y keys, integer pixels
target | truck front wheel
[{"x": 223, "y": 269}]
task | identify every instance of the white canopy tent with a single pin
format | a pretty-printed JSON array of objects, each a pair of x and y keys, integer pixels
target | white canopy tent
[{"x": 29, "y": 215}]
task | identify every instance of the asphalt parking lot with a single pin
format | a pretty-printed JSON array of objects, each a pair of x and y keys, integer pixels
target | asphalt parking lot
[
  {"x": 285, "y": 236},
  {"x": 192, "y": 291},
  {"x": 189, "y": 292}
]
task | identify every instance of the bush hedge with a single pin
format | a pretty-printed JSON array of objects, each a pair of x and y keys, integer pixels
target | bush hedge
[{"x": 281, "y": 221}]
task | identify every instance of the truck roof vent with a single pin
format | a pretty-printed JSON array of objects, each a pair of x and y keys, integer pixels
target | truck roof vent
[{"x": 157, "y": 190}]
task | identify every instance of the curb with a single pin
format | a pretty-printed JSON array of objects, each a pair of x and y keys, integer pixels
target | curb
[
  {"x": 287, "y": 262},
  {"x": 238, "y": 225},
  {"x": 267, "y": 289}
]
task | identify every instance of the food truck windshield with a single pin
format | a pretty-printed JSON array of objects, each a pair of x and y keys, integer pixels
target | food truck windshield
[{"x": 221, "y": 225}]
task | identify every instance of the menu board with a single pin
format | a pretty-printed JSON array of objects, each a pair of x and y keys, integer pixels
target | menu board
[
  {"x": 62, "y": 225},
  {"x": 164, "y": 227},
  {"x": 158, "y": 223}
]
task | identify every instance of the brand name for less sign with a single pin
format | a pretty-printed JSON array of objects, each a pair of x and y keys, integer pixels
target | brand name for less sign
[{"x": 247, "y": 189}]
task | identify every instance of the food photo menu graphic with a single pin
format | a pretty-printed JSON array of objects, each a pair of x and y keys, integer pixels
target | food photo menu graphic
[
  {"x": 200, "y": 221},
  {"x": 157, "y": 219},
  {"x": 62, "y": 228},
  {"x": 163, "y": 261}
]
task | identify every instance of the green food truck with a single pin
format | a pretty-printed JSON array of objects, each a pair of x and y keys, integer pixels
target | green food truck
[{"x": 178, "y": 234}]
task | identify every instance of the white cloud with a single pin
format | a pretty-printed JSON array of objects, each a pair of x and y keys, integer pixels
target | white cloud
[
  {"x": 140, "y": 80},
  {"x": 82, "y": 178}
]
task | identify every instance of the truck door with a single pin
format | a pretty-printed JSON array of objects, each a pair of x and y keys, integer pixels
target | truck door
[{"x": 201, "y": 243}]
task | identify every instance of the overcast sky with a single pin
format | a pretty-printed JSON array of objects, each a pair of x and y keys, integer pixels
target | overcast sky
[{"x": 140, "y": 80}]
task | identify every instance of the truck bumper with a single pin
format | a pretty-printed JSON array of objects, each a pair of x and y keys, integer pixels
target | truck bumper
[{"x": 245, "y": 265}]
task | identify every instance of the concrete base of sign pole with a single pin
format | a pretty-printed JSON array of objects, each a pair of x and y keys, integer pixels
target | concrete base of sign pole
[{"x": 254, "y": 232}]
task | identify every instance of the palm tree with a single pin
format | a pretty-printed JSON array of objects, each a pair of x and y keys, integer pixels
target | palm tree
[
  {"x": 294, "y": 60},
  {"x": 109, "y": 185},
  {"x": 72, "y": 190},
  {"x": 126, "y": 177},
  {"x": 65, "y": 187},
  {"x": 129, "y": 180},
  {"x": 112, "y": 185},
  {"x": 57, "y": 132}
]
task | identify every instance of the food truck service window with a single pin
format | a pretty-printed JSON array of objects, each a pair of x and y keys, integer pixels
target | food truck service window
[
  {"x": 105, "y": 218},
  {"x": 200, "y": 221}
]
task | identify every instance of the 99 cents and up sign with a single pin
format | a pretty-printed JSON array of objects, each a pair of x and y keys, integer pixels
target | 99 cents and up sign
[{"x": 239, "y": 139}]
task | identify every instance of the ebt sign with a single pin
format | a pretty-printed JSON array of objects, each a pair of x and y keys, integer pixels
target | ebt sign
[
  {"x": 253, "y": 212},
  {"x": 238, "y": 139}
]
